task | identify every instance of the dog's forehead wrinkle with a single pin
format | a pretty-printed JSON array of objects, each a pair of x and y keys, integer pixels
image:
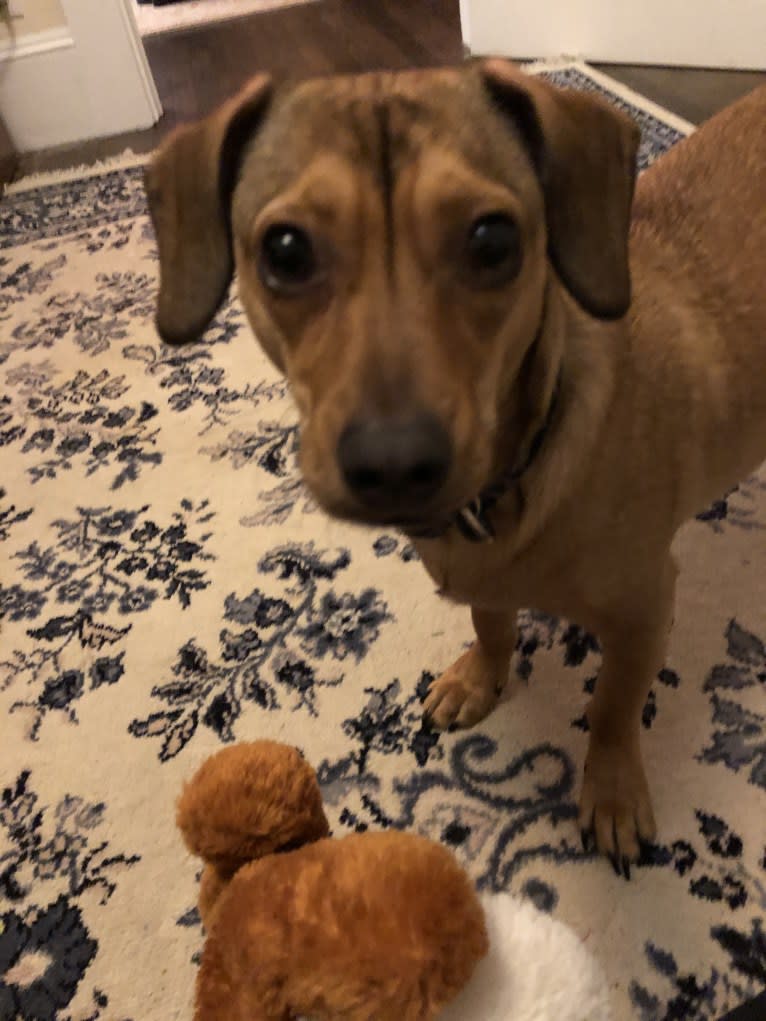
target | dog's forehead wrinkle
[
  {"x": 344, "y": 112},
  {"x": 379, "y": 128},
  {"x": 387, "y": 178}
]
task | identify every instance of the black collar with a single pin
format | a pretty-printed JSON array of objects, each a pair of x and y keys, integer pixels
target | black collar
[{"x": 473, "y": 521}]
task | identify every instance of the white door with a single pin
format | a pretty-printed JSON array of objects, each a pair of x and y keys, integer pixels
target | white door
[
  {"x": 72, "y": 70},
  {"x": 696, "y": 33}
]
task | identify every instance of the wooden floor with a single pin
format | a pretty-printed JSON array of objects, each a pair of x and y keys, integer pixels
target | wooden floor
[
  {"x": 198, "y": 68},
  {"x": 692, "y": 93}
]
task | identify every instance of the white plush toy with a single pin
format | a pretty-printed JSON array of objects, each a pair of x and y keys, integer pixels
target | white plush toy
[
  {"x": 537, "y": 969},
  {"x": 368, "y": 927}
]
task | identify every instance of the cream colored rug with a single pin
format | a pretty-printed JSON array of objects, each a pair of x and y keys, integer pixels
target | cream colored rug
[
  {"x": 184, "y": 14},
  {"x": 166, "y": 585}
]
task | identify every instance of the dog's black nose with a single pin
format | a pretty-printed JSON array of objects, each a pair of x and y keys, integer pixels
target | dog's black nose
[{"x": 391, "y": 464}]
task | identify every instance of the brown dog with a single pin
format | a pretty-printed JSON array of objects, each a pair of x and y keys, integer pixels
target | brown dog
[{"x": 439, "y": 262}]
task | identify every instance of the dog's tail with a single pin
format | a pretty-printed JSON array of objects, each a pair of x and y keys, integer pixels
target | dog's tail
[{"x": 250, "y": 800}]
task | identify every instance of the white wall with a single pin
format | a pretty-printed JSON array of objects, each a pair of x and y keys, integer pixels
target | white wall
[
  {"x": 465, "y": 21},
  {"x": 703, "y": 33}
]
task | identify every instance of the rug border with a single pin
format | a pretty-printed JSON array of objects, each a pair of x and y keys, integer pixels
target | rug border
[
  {"x": 623, "y": 91},
  {"x": 79, "y": 172},
  {"x": 129, "y": 159}
]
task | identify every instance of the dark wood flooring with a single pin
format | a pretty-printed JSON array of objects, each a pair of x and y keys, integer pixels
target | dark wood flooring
[
  {"x": 692, "y": 93},
  {"x": 198, "y": 68}
]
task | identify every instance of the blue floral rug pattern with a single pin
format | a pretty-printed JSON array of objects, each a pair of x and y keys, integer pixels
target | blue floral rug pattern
[{"x": 167, "y": 585}]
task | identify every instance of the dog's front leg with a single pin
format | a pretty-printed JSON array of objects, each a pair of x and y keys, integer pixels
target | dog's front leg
[
  {"x": 469, "y": 690},
  {"x": 615, "y": 806}
]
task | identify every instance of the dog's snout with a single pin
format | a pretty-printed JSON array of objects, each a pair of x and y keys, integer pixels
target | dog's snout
[{"x": 391, "y": 465}]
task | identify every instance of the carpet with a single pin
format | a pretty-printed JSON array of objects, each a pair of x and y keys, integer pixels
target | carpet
[
  {"x": 167, "y": 585},
  {"x": 177, "y": 16}
]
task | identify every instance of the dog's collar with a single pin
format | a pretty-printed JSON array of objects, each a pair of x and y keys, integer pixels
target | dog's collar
[{"x": 473, "y": 521}]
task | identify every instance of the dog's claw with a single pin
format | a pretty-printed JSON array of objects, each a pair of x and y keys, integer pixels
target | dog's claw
[
  {"x": 646, "y": 851},
  {"x": 586, "y": 836},
  {"x": 615, "y": 805}
]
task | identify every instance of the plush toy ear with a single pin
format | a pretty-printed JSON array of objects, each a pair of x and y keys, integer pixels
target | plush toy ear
[
  {"x": 250, "y": 800},
  {"x": 189, "y": 183},
  {"x": 585, "y": 154}
]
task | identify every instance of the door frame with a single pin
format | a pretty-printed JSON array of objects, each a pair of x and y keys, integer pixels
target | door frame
[{"x": 85, "y": 79}]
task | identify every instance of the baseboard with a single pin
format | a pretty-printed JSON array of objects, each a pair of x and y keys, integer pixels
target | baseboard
[{"x": 34, "y": 43}]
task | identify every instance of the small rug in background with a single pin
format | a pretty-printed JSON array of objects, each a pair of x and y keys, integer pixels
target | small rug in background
[
  {"x": 167, "y": 585},
  {"x": 173, "y": 17}
]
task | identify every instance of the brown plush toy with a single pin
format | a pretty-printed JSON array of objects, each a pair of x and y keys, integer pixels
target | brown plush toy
[{"x": 382, "y": 926}]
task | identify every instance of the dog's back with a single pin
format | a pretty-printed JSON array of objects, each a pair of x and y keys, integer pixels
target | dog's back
[
  {"x": 707, "y": 197},
  {"x": 699, "y": 234}
]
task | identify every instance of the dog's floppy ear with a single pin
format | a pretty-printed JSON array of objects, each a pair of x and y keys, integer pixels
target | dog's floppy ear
[
  {"x": 585, "y": 153},
  {"x": 189, "y": 183}
]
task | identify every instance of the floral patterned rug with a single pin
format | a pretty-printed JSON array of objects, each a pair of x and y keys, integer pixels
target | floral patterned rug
[{"x": 166, "y": 585}]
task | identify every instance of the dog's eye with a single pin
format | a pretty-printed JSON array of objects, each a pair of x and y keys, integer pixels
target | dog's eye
[
  {"x": 287, "y": 257},
  {"x": 494, "y": 252}
]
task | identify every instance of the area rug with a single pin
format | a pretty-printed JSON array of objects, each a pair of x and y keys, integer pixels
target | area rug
[
  {"x": 174, "y": 17},
  {"x": 168, "y": 586}
]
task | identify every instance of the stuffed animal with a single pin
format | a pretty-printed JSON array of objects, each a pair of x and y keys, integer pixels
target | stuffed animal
[{"x": 368, "y": 927}]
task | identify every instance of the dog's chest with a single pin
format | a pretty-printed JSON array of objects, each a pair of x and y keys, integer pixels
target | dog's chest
[
  {"x": 547, "y": 573},
  {"x": 466, "y": 572}
]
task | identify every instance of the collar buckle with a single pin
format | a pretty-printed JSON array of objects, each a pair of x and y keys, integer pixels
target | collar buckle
[{"x": 473, "y": 521}]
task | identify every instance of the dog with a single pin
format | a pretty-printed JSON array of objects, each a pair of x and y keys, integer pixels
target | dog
[{"x": 499, "y": 342}]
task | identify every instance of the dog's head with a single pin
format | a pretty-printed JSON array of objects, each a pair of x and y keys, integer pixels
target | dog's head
[{"x": 395, "y": 236}]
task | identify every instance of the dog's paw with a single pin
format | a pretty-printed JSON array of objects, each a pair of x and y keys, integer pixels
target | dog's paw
[
  {"x": 615, "y": 806},
  {"x": 465, "y": 693}
]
